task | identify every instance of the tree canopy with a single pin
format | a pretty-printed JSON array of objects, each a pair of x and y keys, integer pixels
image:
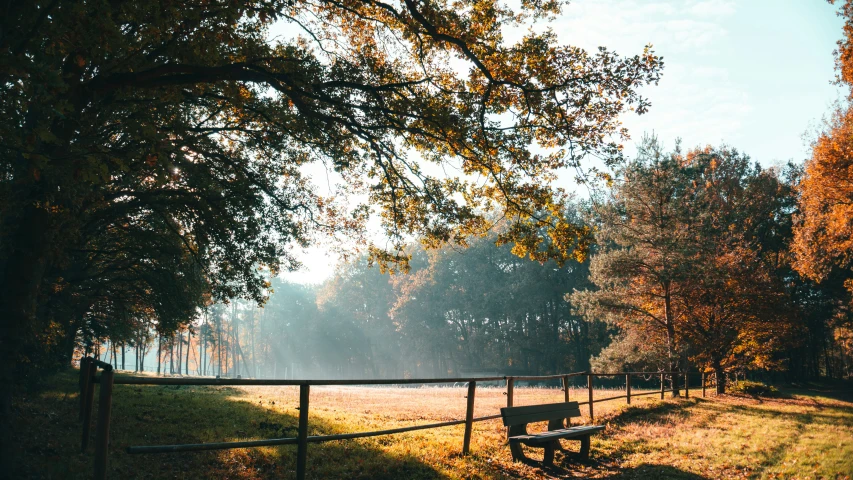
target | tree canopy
[
  {"x": 823, "y": 233},
  {"x": 688, "y": 257},
  {"x": 192, "y": 112}
]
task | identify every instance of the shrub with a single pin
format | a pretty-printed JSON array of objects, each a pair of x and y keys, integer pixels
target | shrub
[{"x": 755, "y": 389}]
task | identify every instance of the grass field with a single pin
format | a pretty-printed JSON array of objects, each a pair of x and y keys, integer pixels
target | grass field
[{"x": 807, "y": 435}]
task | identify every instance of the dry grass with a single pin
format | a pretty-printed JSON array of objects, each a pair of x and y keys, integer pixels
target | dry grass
[{"x": 809, "y": 435}]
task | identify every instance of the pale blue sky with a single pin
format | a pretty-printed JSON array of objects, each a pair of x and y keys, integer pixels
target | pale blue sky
[{"x": 754, "y": 74}]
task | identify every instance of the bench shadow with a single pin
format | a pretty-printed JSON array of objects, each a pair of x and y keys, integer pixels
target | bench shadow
[{"x": 571, "y": 467}]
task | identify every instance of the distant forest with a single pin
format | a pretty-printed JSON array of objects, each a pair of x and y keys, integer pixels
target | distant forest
[{"x": 691, "y": 266}]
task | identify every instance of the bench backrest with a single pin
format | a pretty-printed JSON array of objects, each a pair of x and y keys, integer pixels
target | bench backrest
[{"x": 539, "y": 413}]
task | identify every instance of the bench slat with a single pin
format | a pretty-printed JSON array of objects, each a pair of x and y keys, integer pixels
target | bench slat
[
  {"x": 541, "y": 417},
  {"x": 545, "y": 407},
  {"x": 538, "y": 413},
  {"x": 552, "y": 435}
]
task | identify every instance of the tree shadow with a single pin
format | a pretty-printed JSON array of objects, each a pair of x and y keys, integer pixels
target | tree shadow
[
  {"x": 841, "y": 390},
  {"x": 648, "y": 470},
  {"x": 652, "y": 412},
  {"x": 828, "y": 414},
  {"x": 223, "y": 414},
  {"x": 156, "y": 415}
]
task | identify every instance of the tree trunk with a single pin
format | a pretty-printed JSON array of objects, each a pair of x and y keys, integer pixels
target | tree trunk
[
  {"x": 671, "y": 344},
  {"x": 219, "y": 347},
  {"x": 202, "y": 346},
  {"x": 827, "y": 359},
  {"x": 252, "y": 331},
  {"x": 180, "y": 351},
  {"x": 720, "y": 377},
  {"x": 187, "y": 363},
  {"x": 235, "y": 336},
  {"x": 159, "y": 351},
  {"x": 69, "y": 342},
  {"x": 25, "y": 250}
]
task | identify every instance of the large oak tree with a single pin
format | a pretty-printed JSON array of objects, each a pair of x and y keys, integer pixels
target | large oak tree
[{"x": 199, "y": 113}]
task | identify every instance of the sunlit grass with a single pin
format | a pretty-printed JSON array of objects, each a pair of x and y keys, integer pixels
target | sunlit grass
[{"x": 805, "y": 436}]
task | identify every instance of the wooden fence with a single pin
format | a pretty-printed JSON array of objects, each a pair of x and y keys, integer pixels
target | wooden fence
[{"x": 88, "y": 379}]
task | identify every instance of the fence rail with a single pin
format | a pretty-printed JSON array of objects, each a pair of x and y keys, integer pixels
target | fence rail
[{"x": 88, "y": 379}]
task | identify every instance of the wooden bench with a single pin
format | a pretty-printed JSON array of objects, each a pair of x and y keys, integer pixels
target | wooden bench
[{"x": 517, "y": 418}]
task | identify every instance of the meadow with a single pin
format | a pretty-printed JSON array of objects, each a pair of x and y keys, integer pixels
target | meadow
[{"x": 806, "y": 434}]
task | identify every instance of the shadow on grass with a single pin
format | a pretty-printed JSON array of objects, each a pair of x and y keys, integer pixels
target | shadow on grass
[
  {"x": 829, "y": 414},
  {"x": 215, "y": 414},
  {"x": 569, "y": 466},
  {"x": 157, "y": 415},
  {"x": 648, "y": 470},
  {"x": 841, "y": 390},
  {"x": 653, "y": 413}
]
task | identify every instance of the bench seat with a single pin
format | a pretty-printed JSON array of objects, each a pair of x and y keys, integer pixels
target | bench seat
[{"x": 549, "y": 436}]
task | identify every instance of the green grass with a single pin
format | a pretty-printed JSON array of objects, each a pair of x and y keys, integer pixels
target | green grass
[{"x": 809, "y": 434}]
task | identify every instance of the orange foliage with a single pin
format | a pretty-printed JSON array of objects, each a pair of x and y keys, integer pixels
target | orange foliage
[{"x": 824, "y": 236}]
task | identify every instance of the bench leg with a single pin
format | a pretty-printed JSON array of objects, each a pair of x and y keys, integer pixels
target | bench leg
[
  {"x": 584, "y": 453},
  {"x": 516, "y": 448},
  {"x": 548, "y": 460},
  {"x": 517, "y": 452}
]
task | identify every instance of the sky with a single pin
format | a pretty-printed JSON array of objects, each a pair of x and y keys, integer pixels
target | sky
[{"x": 752, "y": 74}]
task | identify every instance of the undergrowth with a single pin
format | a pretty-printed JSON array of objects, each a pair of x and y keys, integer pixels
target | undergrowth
[{"x": 755, "y": 389}]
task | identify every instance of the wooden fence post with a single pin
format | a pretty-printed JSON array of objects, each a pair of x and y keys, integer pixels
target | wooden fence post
[
  {"x": 703, "y": 384},
  {"x": 87, "y": 406},
  {"x": 687, "y": 385},
  {"x": 302, "y": 435},
  {"x": 662, "y": 386},
  {"x": 589, "y": 391},
  {"x": 628, "y": 387},
  {"x": 469, "y": 418},
  {"x": 102, "y": 434},
  {"x": 566, "y": 388},
  {"x": 510, "y": 385}
]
